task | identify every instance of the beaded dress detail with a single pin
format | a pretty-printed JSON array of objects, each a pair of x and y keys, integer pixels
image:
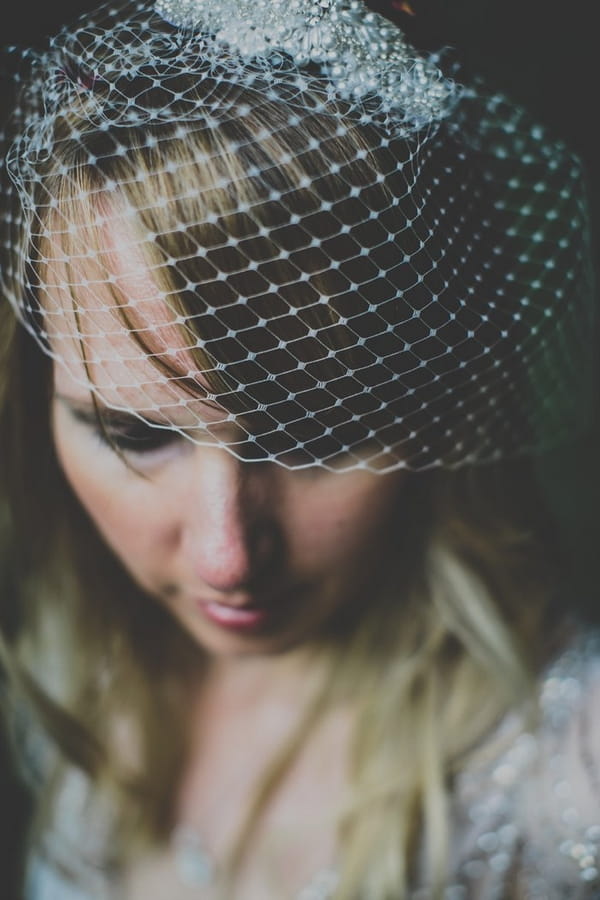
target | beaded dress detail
[{"x": 526, "y": 820}]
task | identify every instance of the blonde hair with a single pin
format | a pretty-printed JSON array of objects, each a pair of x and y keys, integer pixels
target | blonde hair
[{"x": 445, "y": 648}]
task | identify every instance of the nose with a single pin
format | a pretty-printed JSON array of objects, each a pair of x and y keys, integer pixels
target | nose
[{"x": 230, "y": 534}]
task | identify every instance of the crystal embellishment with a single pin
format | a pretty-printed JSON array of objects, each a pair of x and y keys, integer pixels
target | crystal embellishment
[
  {"x": 194, "y": 865},
  {"x": 361, "y": 53}
]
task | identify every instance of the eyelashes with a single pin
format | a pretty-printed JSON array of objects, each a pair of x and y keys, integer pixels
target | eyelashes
[
  {"x": 126, "y": 434},
  {"x": 137, "y": 437},
  {"x": 134, "y": 436},
  {"x": 141, "y": 438}
]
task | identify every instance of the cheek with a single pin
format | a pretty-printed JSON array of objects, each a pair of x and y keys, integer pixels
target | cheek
[
  {"x": 85, "y": 471},
  {"x": 350, "y": 520},
  {"x": 127, "y": 518}
]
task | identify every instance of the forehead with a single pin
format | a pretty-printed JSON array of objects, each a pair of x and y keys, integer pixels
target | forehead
[
  {"x": 115, "y": 330},
  {"x": 316, "y": 369},
  {"x": 111, "y": 326}
]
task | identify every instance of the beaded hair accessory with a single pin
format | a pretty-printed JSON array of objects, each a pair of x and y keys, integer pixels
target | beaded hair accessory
[
  {"x": 361, "y": 53},
  {"x": 278, "y": 228}
]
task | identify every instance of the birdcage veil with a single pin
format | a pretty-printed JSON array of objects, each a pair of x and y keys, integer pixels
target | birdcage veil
[{"x": 278, "y": 228}]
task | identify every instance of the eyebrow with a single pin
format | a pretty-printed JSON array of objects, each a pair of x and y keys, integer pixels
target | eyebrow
[{"x": 88, "y": 412}]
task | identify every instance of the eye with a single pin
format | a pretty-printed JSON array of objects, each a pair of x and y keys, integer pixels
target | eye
[
  {"x": 138, "y": 437},
  {"x": 122, "y": 432}
]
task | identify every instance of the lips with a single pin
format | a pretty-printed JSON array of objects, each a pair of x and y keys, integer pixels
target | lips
[
  {"x": 242, "y": 618},
  {"x": 244, "y": 614}
]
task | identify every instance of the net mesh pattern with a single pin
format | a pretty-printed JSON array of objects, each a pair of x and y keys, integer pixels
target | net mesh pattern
[{"x": 279, "y": 229}]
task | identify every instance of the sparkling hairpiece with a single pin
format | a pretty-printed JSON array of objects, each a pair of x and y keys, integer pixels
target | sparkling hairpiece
[{"x": 361, "y": 52}]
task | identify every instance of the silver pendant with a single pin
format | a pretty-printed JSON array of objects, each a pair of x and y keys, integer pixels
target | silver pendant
[{"x": 194, "y": 865}]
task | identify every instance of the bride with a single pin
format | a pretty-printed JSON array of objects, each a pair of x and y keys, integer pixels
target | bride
[{"x": 288, "y": 315}]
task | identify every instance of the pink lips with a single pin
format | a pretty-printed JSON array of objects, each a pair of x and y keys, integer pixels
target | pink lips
[{"x": 234, "y": 618}]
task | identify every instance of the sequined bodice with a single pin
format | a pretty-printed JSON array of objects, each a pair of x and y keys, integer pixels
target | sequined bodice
[
  {"x": 527, "y": 819},
  {"x": 525, "y": 814}
]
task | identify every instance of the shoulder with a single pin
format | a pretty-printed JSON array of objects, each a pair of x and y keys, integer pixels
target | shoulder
[
  {"x": 531, "y": 808},
  {"x": 560, "y": 799},
  {"x": 71, "y": 856}
]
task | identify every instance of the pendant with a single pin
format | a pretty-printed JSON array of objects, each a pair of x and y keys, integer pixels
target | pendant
[{"x": 194, "y": 865}]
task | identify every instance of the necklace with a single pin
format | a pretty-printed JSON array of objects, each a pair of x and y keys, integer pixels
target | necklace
[{"x": 197, "y": 868}]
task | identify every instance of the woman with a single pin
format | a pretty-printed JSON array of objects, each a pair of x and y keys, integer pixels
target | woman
[{"x": 282, "y": 612}]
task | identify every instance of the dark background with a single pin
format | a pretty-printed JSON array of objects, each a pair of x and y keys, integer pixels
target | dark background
[{"x": 542, "y": 52}]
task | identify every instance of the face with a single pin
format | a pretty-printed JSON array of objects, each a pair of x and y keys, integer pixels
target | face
[{"x": 250, "y": 557}]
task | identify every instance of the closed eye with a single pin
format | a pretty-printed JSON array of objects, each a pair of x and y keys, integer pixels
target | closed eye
[
  {"x": 138, "y": 437},
  {"x": 122, "y": 431}
]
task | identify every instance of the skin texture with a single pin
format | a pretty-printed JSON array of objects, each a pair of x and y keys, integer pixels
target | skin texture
[
  {"x": 251, "y": 558},
  {"x": 204, "y": 527}
]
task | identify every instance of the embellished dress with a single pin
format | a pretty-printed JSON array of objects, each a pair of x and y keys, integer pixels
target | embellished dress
[{"x": 525, "y": 817}]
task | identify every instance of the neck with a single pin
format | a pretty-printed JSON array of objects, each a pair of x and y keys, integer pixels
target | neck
[{"x": 250, "y": 681}]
